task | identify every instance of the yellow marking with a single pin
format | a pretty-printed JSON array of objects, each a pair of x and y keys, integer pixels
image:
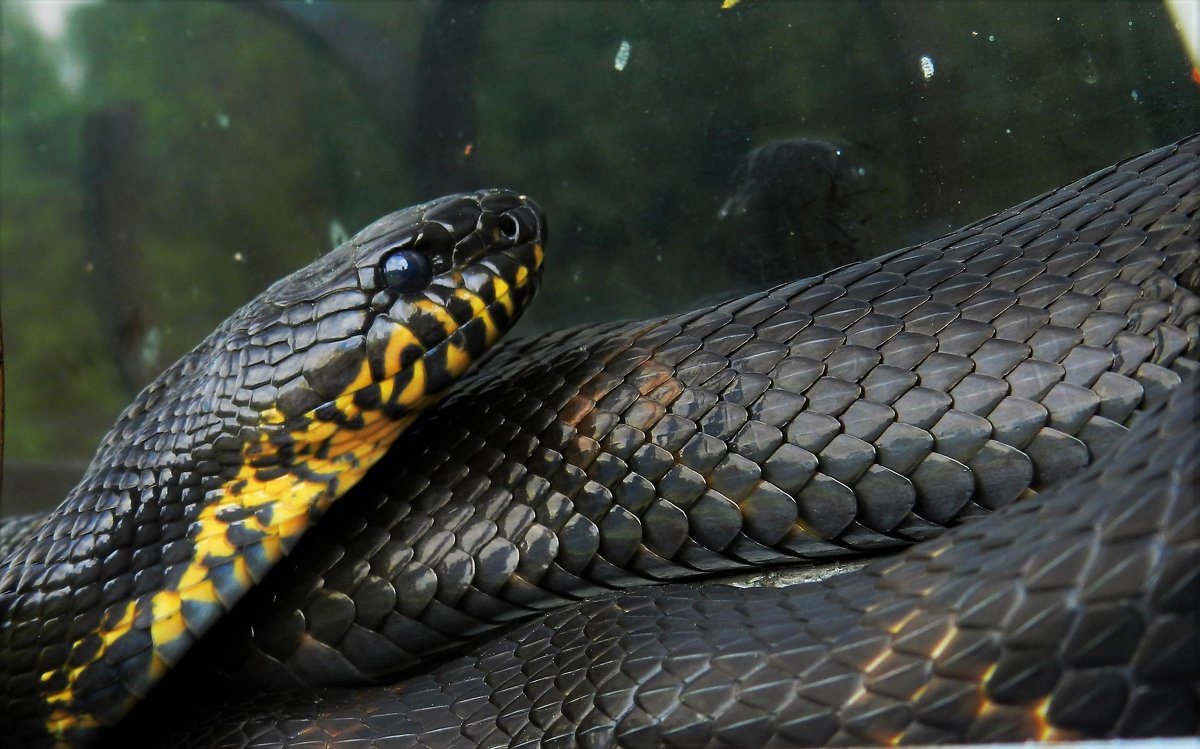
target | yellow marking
[
  {"x": 363, "y": 378},
  {"x": 503, "y": 294},
  {"x": 210, "y": 541},
  {"x": 385, "y": 389},
  {"x": 509, "y": 305},
  {"x": 919, "y": 693},
  {"x": 400, "y": 339},
  {"x": 939, "y": 550},
  {"x": 62, "y": 719},
  {"x": 860, "y": 691},
  {"x": 168, "y": 622},
  {"x": 491, "y": 332},
  {"x": 345, "y": 404},
  {"x": 370, "y": 431},
  {"x": 471, "y": 298},
  {"x": 415, "y": 389},
  {"x": 1040, "y": 711},
  {"x": 457, "y": 359},
  {"x": 319, "y": 431},
  {"x": 500, "y": 288},
  {"x": 1046, "y": 730},
  {"x": 439, "y": 313}
]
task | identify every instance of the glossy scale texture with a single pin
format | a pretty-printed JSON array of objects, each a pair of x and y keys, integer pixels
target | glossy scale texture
[{"x": 853, "y": 413}]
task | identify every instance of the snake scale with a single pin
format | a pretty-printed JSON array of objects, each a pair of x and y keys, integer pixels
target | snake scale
[{"x": 956, "y": 385}]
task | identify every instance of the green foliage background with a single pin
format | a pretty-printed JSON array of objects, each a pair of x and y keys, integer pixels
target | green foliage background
[{"x": 258, "y": 147}]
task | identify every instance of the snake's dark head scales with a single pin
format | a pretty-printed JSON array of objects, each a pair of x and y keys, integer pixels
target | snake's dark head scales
[{"x": 218, "y": 467}]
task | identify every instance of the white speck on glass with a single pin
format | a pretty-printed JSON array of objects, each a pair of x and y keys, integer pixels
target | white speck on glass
[
  {"x": 926, "y": 67},
  {"x": 622, "y": 57}
]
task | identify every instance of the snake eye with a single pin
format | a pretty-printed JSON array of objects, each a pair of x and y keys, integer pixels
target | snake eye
[{"x": 406, "y": 270}]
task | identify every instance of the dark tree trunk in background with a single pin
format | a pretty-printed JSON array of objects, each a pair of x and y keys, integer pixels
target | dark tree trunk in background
[
  {"x": 368, "y": 59},
  {"x": 427, "y": 104},
  {"x": 112, "y": 189}
]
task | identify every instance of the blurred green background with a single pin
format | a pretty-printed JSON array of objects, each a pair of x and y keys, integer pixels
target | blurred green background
[{"x": 163, "y": 162}]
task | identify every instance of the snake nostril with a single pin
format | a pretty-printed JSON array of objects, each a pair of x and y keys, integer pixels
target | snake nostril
[
  {"x": 510, "y": 227},
  {"x": 519, "y": 225}
]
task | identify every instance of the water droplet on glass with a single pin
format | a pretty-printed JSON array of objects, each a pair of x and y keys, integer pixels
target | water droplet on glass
[
  {"x": 151, "y": 345},
  {"x": 1087, "y": 69},
  {"x": 337, "y": 233},
  {"x": 622, "y": 56},
  {"x": 927, "y": 69}
]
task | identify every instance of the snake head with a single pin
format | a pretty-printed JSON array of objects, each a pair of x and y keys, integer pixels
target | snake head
[
  {"x": 336, "y": 360},
  {"x": 390, "y": 319}
]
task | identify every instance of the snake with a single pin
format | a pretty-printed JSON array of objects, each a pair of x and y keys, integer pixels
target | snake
[
  {"x": 218, "y": 466},
  {"x": 940, "y": 438}
]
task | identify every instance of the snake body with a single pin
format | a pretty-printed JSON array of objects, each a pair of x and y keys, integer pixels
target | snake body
[
  {"x": 1067, "y": 617},
  {"x": 854, "y": 413}
]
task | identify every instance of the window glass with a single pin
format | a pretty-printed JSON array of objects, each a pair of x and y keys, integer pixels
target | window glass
[{"x": 162, "y": 163}]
